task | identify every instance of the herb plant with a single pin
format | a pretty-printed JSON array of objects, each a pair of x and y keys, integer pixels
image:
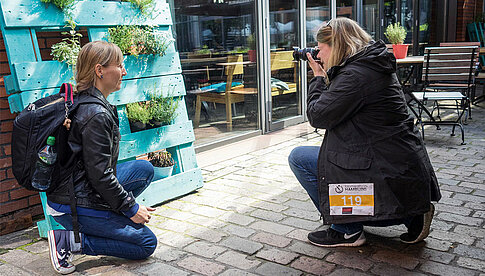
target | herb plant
[
  {"x": 136, "y": 40},
  {"x": 161, "y": 159},
  {"x": 395, "y": 33},
  {"x": 163, "y": 109},
  {"x": 137, "y": 112},
  {"x": 68, "y": 49},
  {"x": 143, "y": 5},
  {"x": 61, "y": 4}
]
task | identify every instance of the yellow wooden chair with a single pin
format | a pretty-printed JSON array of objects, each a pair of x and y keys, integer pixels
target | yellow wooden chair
[{"x": 284, "y": 60}]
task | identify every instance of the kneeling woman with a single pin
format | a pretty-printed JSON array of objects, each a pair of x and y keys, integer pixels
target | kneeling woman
[
  {"x": 110, "y": 221},
  {"x": 372, "y": 167}
]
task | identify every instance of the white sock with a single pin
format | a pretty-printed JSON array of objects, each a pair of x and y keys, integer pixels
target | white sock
[{"x": 75, "y": 246}]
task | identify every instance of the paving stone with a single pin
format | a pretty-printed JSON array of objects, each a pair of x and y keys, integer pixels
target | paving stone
[
  {"x": 347, "y": 272},
  {"x": 441, "y": 225},
  {"x": 19, "y": 238},
  {"x": 430, "y": 254},
  {"x": 395, "y": 258},
  {"x": 38, "y": 247},
  {"x": 117, "y": 271},
  {"x": 309, "y": 250},
  {"x": 312, "y": 215},
  {"x": 206, "y": 234},
  {"x": 451, "y": 201},
  {"x": 471, "y": 231},
  {"x": 460, "y": 219},
  {"x": 236, "y": 272},
  {"x": 271, "y": 239},
  {"x": 168, "y": 254},
  {"x": 444, "y": 270},
  {"x": 452, "y": 237},
  {"x": 479, "y": 214},
  {"x": 240, "y": 231},
  {"x": 471, "y": 198},
  {"x": 350, "y": 260},
  {"x": 469, "y": 251},
  {"x": 174, "y": 239},
  {"x": 10, "y": 270},
  {"x": 304, "y": 205},
  {"x": 209, "y": 223},
  {"x": 237, "y": 218},
  {"x": 313, "y": 266},
  {"x": 267, "y": 215},
  {"x": 18, "y": 257},
  {"x": 270, "y": 206},
  {"x": 271, "y": 269},
  {"x": 301, "y": 223},
  {"x": 453, "y": 209},
  {"x": 205, "y": 249},
  {"x": 161, "y": 269},
  {"x": 41, "y": 265},
  {"x": 208, "y": 211},
  {"x": 243, "y": 245},
  {"x": 237, "y": 260},
  {"x": 271, "y": 227},
  {"x": 386, "y": 269},
  {"x": 278, "y": 256},
  {"x": 299, "y": 234},
  {"x": 471, "y": 263},
  {"x": 201, "y": 266}
]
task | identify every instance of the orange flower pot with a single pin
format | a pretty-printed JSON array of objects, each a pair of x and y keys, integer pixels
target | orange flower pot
[{"x": 400, "y": 50}]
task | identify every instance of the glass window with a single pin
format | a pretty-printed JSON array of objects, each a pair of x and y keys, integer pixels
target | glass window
[
  {"x": 346, "y": 8},
  {"x": 217, "y": 47}
]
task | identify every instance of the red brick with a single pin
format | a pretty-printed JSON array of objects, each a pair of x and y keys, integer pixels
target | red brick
[
  {"x": 6, "y": 126},
  {"x": 41, "y": 42},
  {"x": 7, "y": 149},
  {"x": 5, "y": 162},
  {"x": 5, "y": 114},
  {"x": 21, "y": 193},
  {"x": 3, "y": 197},
  {"x": 34, "y": 200},
  {"x": 46, "y": 54},
  {"x": 3, "y": 92},
  {"x": 4, "y": 103},
  {"x": 350, "y": 260},
  {"x": 10, "y": 173},
  {"x": 4, "y": 69},
  {"x": 51, "y": 41},
  {"x": 13, "y": 206},
  {"x": 3, "y": 57},
  {"x": 395, "y": 258},
  {"x": 5, "y": 138},
  {"x": 2, "y": 45},
  {"x": 11, "y": 223},
  {"x": 8, "y": 185}
]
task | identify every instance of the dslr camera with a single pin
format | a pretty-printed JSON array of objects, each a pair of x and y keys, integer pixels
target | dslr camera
[{"x": 300, "y": 54}]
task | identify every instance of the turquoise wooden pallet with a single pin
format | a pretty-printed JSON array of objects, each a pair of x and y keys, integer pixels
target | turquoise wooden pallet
[
  {"x": 476, "y": 33},
  {"x": 32, "y": 78}
]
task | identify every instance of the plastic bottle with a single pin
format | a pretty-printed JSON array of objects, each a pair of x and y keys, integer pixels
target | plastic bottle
[{"x": 44, "y": 165}]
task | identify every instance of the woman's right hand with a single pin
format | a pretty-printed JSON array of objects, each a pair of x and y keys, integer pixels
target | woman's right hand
[
  {"x": 318, "y": 70},
  {"x": 142, "y": 216}
]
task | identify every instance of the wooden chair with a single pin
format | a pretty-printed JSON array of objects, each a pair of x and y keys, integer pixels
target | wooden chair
[
  {"x": 227, "y": 97},
  {"x": 284, "y": 60},
  {"x": 444, "y": 68}
]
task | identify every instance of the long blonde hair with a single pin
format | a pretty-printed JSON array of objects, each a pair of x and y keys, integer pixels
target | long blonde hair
[
  {"x": 346, "y": 38},
  {"x": 95, "y": 52}
]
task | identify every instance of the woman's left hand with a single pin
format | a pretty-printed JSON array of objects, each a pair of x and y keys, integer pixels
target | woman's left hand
[{"x": 318, "y": 70}]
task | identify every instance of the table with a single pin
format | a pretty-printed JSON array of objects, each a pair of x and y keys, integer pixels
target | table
[{"x": 412, "y": 62}]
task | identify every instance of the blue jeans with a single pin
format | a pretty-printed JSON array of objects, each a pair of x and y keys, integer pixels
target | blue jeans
[
  {"x": 117, "y": 235},
  {"x": 304, "y": 164}
]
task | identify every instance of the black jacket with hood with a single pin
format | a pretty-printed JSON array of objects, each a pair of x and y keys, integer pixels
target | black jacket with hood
[{"x": 370, "y": 137}]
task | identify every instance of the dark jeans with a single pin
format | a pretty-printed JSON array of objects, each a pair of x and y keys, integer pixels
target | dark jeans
[
  {"x": 304, "y": 164},
  {"x": 117, "y": 235}
]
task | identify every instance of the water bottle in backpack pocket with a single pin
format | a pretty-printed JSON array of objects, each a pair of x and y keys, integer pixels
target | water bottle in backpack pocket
[{"x": 44, "y": 166}]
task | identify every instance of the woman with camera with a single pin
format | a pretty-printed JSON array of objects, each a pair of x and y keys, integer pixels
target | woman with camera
[{"x": 372, "y": 167}]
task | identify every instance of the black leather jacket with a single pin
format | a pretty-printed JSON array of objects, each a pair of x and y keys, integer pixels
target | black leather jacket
[{"x": 94, "y": 141}]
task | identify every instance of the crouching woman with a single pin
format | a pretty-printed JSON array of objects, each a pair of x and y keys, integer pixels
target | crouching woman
[
  {"x": 109, "y": 219},
  {"x": 372, "y": 167}
]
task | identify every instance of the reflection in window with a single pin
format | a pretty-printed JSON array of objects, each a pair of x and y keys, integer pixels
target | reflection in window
[{"x": 317, "y": 12}]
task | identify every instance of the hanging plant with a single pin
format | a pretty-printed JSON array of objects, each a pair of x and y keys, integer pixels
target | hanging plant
[
  {"x": 145, "y": 6},
  {"x": 162, "y": 109},
  {"x": 61, "y": 4},
  {"x": 137, "y": 40},
  {"x": 68, "y": 49}
]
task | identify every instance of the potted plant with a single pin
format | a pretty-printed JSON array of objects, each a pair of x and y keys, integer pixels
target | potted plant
[
  {"x": 162, "y": 109},
  {"x": 137, "y": 40},
  {"x": 138, "y": 116},
  {"x": 396, "y": 34},
  {"x": 252, "y": 48},
  {"x": 162, "y": 162}
]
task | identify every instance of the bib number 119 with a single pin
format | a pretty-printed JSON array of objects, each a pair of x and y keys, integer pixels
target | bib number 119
[{"x": 357, "y": 200}]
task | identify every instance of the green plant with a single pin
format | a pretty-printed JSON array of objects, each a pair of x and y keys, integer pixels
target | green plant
[
  {"x": 204, "y": 51},
  {"x": 136, "y": 40},
  {"x": 395, "y": 33},
  {"x": 239, "y": 50},
  {"x": 161, "y": 159},
  {"x": 61, "y": 4},
  {"x": 68, "y": 49},
  {"x": 251, "y": 42},
  {"x": 143, "y": 5},
  {"x": 137, "y": 112},
  {"x": 162, "y": 109}
]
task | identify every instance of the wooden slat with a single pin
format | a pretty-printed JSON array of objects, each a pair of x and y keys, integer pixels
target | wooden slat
[
  {"x": 448, "y": 63},
  {"x": 34, "y": 14},
  {"x": 149, "y": 140},
  {"x": 448, "y": 77},
  {"x": 451, "y": 56},
  {"x": 123, "y": 119},
  {"x": 171, "y": 187},
  {"x": 131, "y": 91},
  {"x": 464, "y": 49},
  {"x": 448, "y": 70}
]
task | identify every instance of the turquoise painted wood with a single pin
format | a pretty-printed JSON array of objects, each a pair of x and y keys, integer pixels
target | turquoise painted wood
[{"x": 32, "y": 78}]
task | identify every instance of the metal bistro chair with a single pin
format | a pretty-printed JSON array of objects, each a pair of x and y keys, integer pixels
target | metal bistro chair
[{"x": 448, "y": 77}]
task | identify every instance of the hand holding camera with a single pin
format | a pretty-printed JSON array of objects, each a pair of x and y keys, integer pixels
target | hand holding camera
[{"x": 311, "y": 55}]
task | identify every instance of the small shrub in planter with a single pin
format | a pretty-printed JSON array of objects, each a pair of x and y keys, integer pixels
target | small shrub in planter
[
  {"x": 68, "y": 49},
  {"x": 396, "y": 34},
  {"x": 162, "y": 109},
  {"x": 162, "y": 162},
  {"x": 137, "y": 40},
  {"x": 138, "y": 116}
]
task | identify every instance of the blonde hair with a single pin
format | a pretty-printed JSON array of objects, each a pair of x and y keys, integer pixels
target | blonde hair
[
  {"x": 95, "y": 52},
  {"x": 346, "y": 38}
]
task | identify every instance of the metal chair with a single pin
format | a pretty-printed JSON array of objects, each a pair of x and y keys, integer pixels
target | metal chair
[{"x": 448, "y": 77}]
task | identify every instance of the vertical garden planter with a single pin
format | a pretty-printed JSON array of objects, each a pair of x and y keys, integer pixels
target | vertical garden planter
[{"x": 32, "y": 78}]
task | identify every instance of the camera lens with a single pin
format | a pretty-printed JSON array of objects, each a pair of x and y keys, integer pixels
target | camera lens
[{"x": 300, "y": 54}]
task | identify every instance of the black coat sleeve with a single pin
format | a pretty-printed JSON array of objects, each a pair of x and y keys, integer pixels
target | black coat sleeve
[
  {"x": 98, "y": 163},
  {"x": 329, "y": 106}
]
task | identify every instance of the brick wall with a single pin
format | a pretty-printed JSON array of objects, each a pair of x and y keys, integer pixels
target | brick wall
[
  {"x": 18, "y": 206},
  {"x": 466, "y": 13}
]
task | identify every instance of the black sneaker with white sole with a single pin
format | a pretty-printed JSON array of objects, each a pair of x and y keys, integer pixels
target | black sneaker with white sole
[
  {"x": 419, "y": 228},
  {"x": 60, "y": 251},
  {"x": 333, "y": 238}
]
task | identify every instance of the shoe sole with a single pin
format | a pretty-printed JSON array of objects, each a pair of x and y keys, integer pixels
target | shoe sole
[
  {"x": 52, "y": 248},
  {"x": 359, "y": 242},
  {"x": 428, "y": 218}
]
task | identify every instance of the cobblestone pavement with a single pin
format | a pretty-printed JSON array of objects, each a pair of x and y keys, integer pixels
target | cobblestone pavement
[{"x": 252, "y": 218}]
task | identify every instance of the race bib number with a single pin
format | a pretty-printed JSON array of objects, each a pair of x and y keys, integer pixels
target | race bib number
[{"x": 351, "y": 199}]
